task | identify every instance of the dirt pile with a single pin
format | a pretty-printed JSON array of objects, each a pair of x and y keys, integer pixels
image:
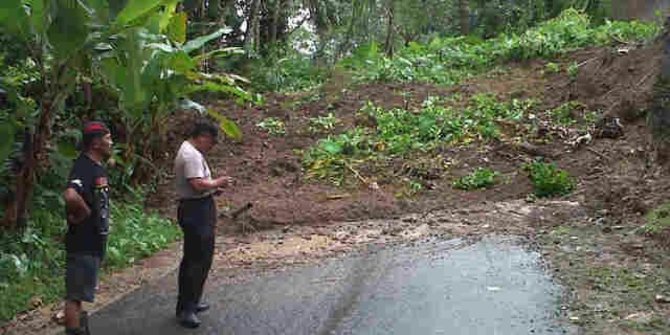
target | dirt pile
[{"x": 616, "y": 176}]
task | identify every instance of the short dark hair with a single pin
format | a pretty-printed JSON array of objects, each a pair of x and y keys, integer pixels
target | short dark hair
[{"x": 204, "y": 127}]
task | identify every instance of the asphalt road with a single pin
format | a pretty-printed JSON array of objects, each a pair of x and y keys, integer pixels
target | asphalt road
[{"x": 494, "y": 286}]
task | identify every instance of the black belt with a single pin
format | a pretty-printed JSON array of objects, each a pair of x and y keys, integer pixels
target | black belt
[{"x": 196, "y": 199}]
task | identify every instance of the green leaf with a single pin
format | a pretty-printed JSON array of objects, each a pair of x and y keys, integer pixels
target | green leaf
[
  {"x": 229, "y": 127},
  {"x": 181, "y": 63},
  {"x": 67, "y": 150},
  {"x": 13, "y": 16},
  {"x": 69, "y": 29},
  {"x": 202, "y": 40},
  {"x": 6, "y": 140},
  {"x": 332, "y": 147},
  {"x": 134, "y": 9},
  {"x": 38, "y": 8},
  {"x": 176, "y": 30},
  {"x": 220, "y": 88}
]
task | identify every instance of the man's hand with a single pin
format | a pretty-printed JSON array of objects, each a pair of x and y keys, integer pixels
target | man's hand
[
  {"x": 78, "y": 215},
  {"x": 76, "y": 208},
  {"x": 223, "y": 181}
]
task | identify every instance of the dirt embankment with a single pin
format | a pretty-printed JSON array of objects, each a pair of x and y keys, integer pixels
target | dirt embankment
[{"x": 614, "y": 173}]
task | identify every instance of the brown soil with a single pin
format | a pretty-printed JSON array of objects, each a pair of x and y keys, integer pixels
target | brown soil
[{"x": 614, "y": 174}]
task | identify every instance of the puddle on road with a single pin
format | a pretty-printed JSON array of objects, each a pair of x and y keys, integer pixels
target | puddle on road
[{"x": 494, "y": 286}]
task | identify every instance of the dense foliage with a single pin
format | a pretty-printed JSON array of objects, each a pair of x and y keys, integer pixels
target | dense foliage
[
  {"x": 32, "y": 261},
  {"x": 400, "y": 132}
]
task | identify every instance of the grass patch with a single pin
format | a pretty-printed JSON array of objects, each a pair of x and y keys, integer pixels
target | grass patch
[
  {"x": 658, "y": 220},
  {"x": 32, "y": 262},
  {"x": 272, "y": 126},
  {"x": 323, "y": 124},
  {"x": 548, "y": 180},
  {"x": 479, "y": 178}
]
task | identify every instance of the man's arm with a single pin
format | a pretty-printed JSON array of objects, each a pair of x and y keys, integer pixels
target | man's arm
[
  {"x": 76, "y": 208},
  {"x": 201, "y": 185}
]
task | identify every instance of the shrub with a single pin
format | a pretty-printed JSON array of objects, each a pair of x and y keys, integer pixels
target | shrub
[
  {"x": 658, "y": 220},
  {"x": 479, "y": 178},
  {"x": 548, "y": 180}
]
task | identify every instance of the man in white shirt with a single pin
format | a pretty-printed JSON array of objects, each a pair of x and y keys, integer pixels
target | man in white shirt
[{"x": 197, "y": 219}]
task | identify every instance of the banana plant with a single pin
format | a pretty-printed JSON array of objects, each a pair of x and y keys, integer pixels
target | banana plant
[{"x": 138, "y": 45}]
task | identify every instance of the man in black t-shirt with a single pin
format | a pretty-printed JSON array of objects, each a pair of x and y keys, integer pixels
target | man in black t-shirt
[{"x": 87, "y": 210}]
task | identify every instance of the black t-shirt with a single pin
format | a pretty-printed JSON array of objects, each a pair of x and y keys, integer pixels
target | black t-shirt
[{"x": 89, "y": 179}]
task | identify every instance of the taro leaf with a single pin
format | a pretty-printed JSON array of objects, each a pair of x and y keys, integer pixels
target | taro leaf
[{"x": 332, "y": 147}]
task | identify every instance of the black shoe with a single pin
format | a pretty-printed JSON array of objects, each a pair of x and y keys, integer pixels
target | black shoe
[
  {"x": 201, "y": 307},
  {"x": 189, "y": 320},
  {"x": 83, "y": 322},
  {"x": 72, "y": 331}
]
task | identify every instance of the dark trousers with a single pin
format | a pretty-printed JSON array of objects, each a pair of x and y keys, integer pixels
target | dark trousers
[{"x": 197, "y": 219}]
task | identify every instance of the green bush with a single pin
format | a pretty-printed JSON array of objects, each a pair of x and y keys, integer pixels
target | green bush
[
  {"x": 32, "y": 262},
  {"x": 450, "y": 60},
  {"x": 548, "y": 180},
  {"x": 479, "y": 178},
  {"x": 288, "y": 74}
]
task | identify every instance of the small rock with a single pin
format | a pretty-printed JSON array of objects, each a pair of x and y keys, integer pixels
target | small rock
[
  {"x": 59, "y": 317},
  {"x": 36, "y": 302},
  {"x": 661, "y": 299}
]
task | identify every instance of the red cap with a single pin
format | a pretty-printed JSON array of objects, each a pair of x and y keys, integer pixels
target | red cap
[{"x": 95, "y": 128}]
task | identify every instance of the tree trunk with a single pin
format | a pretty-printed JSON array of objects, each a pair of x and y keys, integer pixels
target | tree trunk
[
  {"x": 34, "y": 151},
  {"x": 464, "y": 16},
  {"x": 250, "y": 35},
  {"x": 274, "y": 23},
  {"x": 388, "y": 44}
]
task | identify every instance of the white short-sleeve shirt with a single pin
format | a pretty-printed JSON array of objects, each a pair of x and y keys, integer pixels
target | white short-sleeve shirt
[{"x": 189, "y": 164}]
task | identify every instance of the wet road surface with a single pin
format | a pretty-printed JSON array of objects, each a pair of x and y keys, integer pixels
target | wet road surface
[{"x": 494, "y": 286}]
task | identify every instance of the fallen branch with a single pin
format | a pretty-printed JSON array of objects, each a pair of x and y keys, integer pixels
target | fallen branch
[
  {"x": 645, "y": 78},
  {"x": 601, "y": 155},
  {"x": 356, "y": 173},
  {"x": 586, "y": 62}
]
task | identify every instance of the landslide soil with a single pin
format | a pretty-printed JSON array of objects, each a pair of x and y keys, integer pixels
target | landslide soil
[{"x": 618, "y": 175}]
